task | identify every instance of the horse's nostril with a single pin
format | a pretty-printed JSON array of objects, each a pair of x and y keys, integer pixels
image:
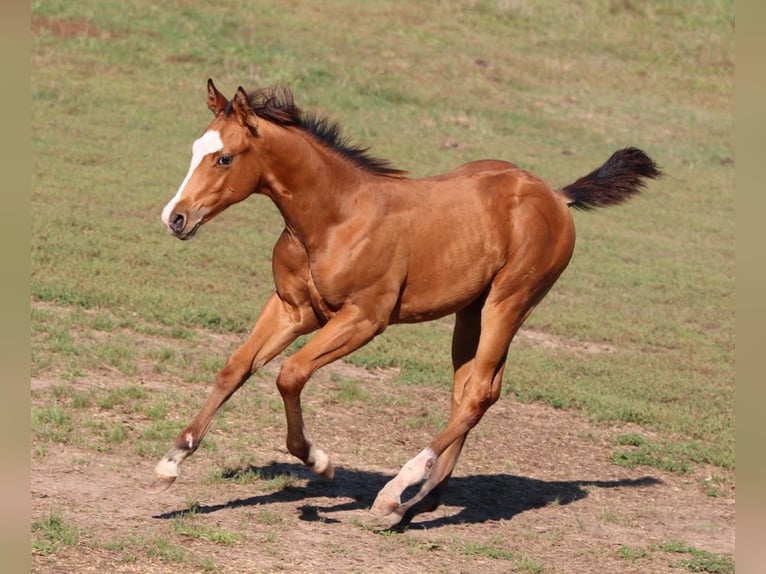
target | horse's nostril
[{"x": 177, "y": 222}]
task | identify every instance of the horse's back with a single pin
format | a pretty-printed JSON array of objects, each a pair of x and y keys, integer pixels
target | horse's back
[{"x": 473, "y": 167}]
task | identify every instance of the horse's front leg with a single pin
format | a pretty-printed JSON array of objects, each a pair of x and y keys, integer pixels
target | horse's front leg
[
  {"x": 278, "y": 325},
  {"x": 348, "y": 330}
]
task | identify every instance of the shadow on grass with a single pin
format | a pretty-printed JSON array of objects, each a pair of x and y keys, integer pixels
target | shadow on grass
[{"x": 482, "y": 497}]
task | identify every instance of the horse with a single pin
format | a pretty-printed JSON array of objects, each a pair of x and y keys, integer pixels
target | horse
[{"x": 364, "y": 246}]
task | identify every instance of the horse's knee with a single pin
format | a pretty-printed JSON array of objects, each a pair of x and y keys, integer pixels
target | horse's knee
[{"x": 292, "y": 376}]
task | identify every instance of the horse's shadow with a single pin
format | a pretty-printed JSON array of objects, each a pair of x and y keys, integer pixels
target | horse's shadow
[{"x": 482, "y": 497}]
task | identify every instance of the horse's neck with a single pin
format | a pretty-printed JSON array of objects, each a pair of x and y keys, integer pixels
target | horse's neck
[{"x": 309, "y": 183}]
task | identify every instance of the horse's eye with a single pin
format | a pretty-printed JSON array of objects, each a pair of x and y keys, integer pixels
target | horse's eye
[{"x": 224, "y": 160}]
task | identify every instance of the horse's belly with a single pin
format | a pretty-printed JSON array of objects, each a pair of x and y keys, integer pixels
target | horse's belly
[{"x": 438, "y": 295}]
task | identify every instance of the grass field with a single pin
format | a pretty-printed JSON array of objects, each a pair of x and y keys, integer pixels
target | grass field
[{"x": 118, "y": 94}]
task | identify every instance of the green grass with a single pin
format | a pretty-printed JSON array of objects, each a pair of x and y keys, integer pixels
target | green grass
[
  {"x": 52, "y": 423},
  {"x": 697, "y": 560},
  {"x": 126, "y": 397},
  {"x": 52, "y": 534},
  {"x": 520, "y": 562},
  {"x": 352, "y": 391},
  {"x": 634, "y": 450},
  {"x": 187, "y": 527},
  {"x": 133, "y": 547},
  {"x": 118, "y": 100},
  {"x": 633, "y": 553},
  {"x": 165, "y": 549},
  {"x": 251, "y": 476},
  {"x": 473, "y": 549}
]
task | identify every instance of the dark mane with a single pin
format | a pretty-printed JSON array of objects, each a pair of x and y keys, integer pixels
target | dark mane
[{"x": 278, "y": 106}]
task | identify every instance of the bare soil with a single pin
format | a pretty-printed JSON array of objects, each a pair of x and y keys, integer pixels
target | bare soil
[{"x": 534, "y": 491}]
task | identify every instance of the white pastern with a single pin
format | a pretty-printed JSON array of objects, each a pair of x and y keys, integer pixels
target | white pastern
[
  {"x": 209, "y": 142},
  {"x": 170, "y": 464},
  {"x": 166, "y": 467},
  {"x": 417, "y": 468},
  {"x": 319, "y": 459}
]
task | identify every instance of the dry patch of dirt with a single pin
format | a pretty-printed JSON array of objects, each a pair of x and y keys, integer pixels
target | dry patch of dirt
[
  {"x": 535, "y": 491},
  {"x": 549, "y": 341},
  {"x": 67, "y": 28}
]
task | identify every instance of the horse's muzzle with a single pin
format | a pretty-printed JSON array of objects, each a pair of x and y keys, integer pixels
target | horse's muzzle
[
  {"x": 178, "y": 226},
  {"x": 176, "y": 223}
]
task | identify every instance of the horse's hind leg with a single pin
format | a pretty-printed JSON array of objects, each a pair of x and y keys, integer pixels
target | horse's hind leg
[
  {"x": 542, "y": 246},
  {"x": 465, "y": 340},
  {"x": 430, "y": 495},
  {"x": 499, "y": 322}
]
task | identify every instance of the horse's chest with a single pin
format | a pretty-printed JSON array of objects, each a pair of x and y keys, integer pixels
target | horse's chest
[{"x": 325, "y": 295}]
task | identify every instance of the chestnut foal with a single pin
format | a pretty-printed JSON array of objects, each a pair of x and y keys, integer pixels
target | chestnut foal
[{"x": 364, "y": 247}]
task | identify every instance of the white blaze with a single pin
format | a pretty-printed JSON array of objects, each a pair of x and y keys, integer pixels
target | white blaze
[{"x": 209, "y": 142}]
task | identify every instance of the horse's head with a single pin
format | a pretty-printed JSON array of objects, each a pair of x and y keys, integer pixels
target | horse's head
[{"x": 224, "y": 166}]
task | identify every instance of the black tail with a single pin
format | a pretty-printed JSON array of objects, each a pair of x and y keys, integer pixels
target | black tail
[{"x": 621, "y": 176}]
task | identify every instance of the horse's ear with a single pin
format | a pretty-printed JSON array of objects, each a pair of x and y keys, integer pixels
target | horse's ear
[
  {"x": 215, "y": 99},
  {"x": 244, "y": 111}
]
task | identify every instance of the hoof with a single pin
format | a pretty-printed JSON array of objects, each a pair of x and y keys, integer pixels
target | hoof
[
  {"x": 384, "y": 506},
  {"x": 161, "y": 483},
  {"x": 322, "y": 465},
  {"x": 328, "y": 473},
  {"x": 378, "y": 522}
]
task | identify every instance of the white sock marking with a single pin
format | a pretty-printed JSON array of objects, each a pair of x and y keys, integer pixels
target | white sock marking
[
  {"x": 166, "y": 467},
  {"x": 170, "y": 464},
  {"x": 417, "y": 468},
  {"x": 209, "y": 142},
  {"x": 413, "y": 471},
  {"x": 320, "y": 459}
]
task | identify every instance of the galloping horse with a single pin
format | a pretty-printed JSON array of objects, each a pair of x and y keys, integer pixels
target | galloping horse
[{"x": 365, "y": 247}]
